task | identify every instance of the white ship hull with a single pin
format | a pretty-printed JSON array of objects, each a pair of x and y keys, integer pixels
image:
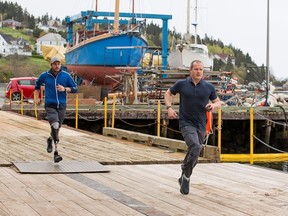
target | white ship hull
[{"x": 183, "y": 56}]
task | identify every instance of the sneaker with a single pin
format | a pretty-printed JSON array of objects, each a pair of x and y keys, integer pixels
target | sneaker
[
  {"x": 49, "y": 145},
  {"x": 57, "y": 157},
  {"x": 184, "y": 184}
]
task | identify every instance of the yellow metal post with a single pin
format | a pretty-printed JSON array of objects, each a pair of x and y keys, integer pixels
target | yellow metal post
[
  {"x": 76, "y": 111},
  {"x": 10, "y": 94},
  {"x": 251, "y": 135},
  {"x": 105, "y": 112},
  {"x": 22, "y": 108},
  {"x": 35, "y": 105},
  {"x": 10, "y": 97},
  {"x": 158, "y": 118},
  {"x": 219, "y": 130},
  {"x": 113, "y": 111}
]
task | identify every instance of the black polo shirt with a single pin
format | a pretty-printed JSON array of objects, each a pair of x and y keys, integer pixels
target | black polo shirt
[{"x": 193, "y": 100}]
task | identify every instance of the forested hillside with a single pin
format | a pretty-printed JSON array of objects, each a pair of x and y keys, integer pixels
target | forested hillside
[{"x": 9, "y": 10}]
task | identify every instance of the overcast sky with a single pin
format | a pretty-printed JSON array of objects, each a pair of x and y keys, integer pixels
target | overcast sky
[{"x": 242, "y": 23}]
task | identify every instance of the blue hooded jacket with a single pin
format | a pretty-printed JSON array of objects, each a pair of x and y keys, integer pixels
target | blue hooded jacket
[{"x": 54, "y": 98}]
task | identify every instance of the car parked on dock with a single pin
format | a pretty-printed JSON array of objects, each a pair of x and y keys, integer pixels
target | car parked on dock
[{"x": 19, "y": 84}]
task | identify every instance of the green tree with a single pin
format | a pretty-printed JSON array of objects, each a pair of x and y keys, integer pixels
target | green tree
[
  {"x": 214, "y": 49},
  {"x": 37, "y": 32},
  {"x": 229, "y": 66}
]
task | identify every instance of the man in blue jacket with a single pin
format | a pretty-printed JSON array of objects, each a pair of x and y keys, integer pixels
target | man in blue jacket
[{"x": 57, "y": 84}]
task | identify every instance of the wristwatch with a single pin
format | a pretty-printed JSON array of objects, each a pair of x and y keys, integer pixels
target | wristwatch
[{"x": 167, "y": 107}]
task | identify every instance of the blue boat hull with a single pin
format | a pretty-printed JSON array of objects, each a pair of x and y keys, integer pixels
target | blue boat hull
[{"x": 94, "y": 58}]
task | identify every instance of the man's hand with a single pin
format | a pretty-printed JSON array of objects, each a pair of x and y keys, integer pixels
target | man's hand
[
  {"x": 38, "y": 101},
  {"x": 172, "y": 114},
  {"x": 209, "y": 107},
  {"x": 60, "y": 88}
]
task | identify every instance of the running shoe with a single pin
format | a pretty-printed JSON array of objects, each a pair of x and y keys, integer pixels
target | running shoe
[{"x": 49, "y": 145}]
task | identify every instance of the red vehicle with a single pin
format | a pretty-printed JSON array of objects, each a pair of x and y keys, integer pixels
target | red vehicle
[{"x": 26, "y": 84}]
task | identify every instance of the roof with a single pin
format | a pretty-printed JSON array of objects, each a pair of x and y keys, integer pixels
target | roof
[
  {"x": 11, "y": 21},
  {"x": 51, "y": 37},
  {"x": 7, "y": 38}
]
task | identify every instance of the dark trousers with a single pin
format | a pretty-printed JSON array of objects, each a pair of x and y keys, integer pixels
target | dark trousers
[
  {"x": 193, "y": 139},
  {"x": 55, "y": 115}
]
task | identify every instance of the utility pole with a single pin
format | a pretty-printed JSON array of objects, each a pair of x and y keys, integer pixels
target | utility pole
[{"x": 267, "y": 56}]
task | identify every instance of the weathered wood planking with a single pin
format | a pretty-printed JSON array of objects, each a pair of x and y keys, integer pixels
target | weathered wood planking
[
  {"x": 210, "y": 153},
  {"x": 24, "y": 139},
  {"x": 215, "y": 189}
]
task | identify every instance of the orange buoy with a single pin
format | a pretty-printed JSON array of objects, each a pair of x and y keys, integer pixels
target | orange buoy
[{"x": 209, "y": 122}]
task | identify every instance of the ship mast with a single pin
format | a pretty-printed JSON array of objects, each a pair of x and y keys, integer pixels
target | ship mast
[
  {"x": 188, "y": 18},
  {"x": 96, "y": 26},
  {"x": 195, "y": 23},
  {"x": 133, "y": 19},
  {"x": 187, "y": 35},
  {"x": 116, "y": 16}
]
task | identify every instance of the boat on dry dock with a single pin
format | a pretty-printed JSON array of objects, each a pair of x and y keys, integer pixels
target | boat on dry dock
[{"x": 96, "y": 55}]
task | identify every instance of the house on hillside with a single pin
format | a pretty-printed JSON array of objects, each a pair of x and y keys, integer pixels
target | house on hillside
[
  {"x": 52, "y": 25},
  {"x": 24, "y": 47},
  {"x": 224, "y": 58},
  {"x": 44, "y": 28},
  {"x": 11, "y": 46},
  {"x": 50, "y": 39},
  {"x": 11, "y": 23}
]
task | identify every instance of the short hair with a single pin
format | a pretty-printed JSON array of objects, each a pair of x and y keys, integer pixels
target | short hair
[{"x": 195, "y": 61}]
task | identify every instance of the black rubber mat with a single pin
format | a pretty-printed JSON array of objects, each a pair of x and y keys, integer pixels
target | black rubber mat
[{"x": 62, "y": 167}]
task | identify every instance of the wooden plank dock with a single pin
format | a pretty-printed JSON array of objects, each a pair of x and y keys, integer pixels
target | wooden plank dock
[
  {"x": 24, "y": 139},
  {"x": 142, "y": 179}
]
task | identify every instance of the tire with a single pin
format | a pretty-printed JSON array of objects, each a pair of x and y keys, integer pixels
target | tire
[{"x": 16, "y": 96}]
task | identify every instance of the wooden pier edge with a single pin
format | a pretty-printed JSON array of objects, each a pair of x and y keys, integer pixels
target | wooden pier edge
[{"x": 209, "y": 152}]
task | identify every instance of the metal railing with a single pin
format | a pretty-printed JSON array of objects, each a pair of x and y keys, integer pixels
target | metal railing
[
  {"x": 251, "y": 157},
  {"x": 254, "y": 157}
]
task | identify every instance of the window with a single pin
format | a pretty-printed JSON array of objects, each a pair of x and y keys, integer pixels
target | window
[{"x": 26, "y": 82}]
